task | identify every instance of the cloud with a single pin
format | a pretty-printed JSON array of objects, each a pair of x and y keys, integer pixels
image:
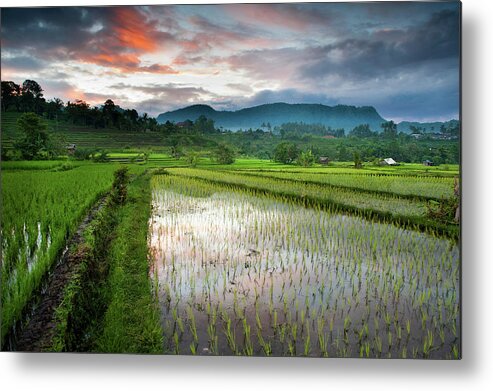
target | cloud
[
  {"x": 386, "y": 50},
  {"x": 283, "y": 16},
  {"x": 114, "y": 37},
  {"x": 22, "y": 63},
  {"x": 275, "y": 65},
  {"x": 165, "y": 97},
  {"x": 286, "y": 96},
  {"x": 393, "y": 56},
  {"x": 67, "y": 91},
  {"x": 240, "y": 87}
]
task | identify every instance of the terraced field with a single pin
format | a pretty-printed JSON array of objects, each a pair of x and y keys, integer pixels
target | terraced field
[
  {"x": 85, "y": 137},
  {"x": 255, "y": 258},
  {"x": 244, "y": 266},
  {"x": 387, "y": 198}
]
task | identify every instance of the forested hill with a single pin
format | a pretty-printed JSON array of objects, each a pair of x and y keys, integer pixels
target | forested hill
[
  {"x": 426, "y": 127},
  {"x": 275, "y": 114}
]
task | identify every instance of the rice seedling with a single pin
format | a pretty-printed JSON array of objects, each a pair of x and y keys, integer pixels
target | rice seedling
[
  {"x": 40, "y": 210},
  {"x": 293, "y": 273}
]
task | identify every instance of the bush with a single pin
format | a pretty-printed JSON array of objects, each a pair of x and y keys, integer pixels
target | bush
[
  {"x": 192, "y": 158},
  {"x": 224, "y": 154},
  {"x": 101, "y": 157},
  {"x": 306, "y": 159},
  {"x": 35, "y": 139},
  {"x": 286, "y": 153},
  {"x": 119, "y": 189},
  {"x": 83, "y": 154}
]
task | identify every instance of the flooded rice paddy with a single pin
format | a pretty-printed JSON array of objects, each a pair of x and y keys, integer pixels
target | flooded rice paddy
[{"x": 237, "y": 274}]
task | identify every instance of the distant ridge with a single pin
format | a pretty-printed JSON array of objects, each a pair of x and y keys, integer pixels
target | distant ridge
[
  {"x": 340, "y": 116},
  {"x": 428, "y": 127}
]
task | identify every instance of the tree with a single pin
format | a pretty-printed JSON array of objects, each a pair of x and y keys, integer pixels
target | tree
[
  {"x": 361, "y": 131},
  {"x": 224, "y": 154},
  {"x": 35, "y": 139},
  {"x": 204, "y": 125},
  {"x": 339, "y": 132},
  {"x": 192, "y": 158},
  {"x": 32, "y": 96},
  {"x": 306, "y": 159},
  {"x": 342, "y": 153},
  {"x": 357, "y": 160},
  {"x": 286, "y": 153},
  {"x": 10, "y": 94},
  {"x": 53, "y": 108},
  {"x": 110, "y": 113},
  {"x": 78, "y": 112},
  {"x": 389, "y": 129}
]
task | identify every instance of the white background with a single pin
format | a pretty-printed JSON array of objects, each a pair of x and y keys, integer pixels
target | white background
[{"x": 474, "y": 372}]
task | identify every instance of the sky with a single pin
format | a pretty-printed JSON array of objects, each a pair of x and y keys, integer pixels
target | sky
[{"x": 401, "y": 58}]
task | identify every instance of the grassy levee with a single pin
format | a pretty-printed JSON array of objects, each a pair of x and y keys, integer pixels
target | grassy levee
[
  {"x": 324, "y": 201},
  {"x": 370, "y": 184},
  {"x": 346, "y": 168},
  {"x": 78, "y": 318},
  {"x": 131, "y": 323},
  {"x": 243, "y": 271},
  {"x": 108, "y": 306},
  {"x": 40, "y": 211}
]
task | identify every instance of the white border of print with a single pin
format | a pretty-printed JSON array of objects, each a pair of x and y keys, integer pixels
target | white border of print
[{"x": 474, "y": 372}]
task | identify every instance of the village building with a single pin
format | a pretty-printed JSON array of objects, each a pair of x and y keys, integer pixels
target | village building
[
  {"x": 71, "y": 149},
  {"x": 389, "y": 162}
]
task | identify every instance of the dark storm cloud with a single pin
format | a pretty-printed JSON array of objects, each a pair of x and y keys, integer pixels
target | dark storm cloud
[
  {"x": 433, "y": 105},
  {"x": 384, "y": 51},
  {"x": 401, "y": 57},
  {"x": 114, "y": 37},
  {"x": 49, "y": 28},
  {"x": 23, "y": 63}
]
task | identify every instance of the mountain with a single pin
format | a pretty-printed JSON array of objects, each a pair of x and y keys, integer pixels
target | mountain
[
  {"x": 276, "y": 114},
  {"x": 427, "y": 127}
]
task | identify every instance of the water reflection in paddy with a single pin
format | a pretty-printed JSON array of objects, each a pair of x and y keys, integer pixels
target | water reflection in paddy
[{"x": 239, "y": 274}]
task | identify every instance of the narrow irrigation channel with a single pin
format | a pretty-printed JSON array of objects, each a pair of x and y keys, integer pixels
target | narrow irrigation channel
[
  {"x": 69, "y": 308},
  {"x": 35, "y": 331}
]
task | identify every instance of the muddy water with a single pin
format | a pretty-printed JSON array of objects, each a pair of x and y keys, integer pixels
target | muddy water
[
  {"x": 26, "y": 248},
  {"x": 237, "y": 274}
]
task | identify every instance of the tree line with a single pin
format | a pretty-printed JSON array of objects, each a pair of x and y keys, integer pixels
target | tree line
[{"x": 29, "y": 98}]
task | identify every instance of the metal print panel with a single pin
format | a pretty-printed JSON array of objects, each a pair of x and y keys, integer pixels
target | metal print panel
[{"x": 235, "y": 179}]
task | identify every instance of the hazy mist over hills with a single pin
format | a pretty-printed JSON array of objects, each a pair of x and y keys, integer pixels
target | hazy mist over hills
[{"x": 276, "y": 114}]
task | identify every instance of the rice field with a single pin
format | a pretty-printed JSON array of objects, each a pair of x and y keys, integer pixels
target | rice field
[
  {"x": 392, "y": 205},
  {"x": 401, "y": 185},
  {"x": 238, "y": 273},
  {"x": 319, "y": 262},
  {"x": 41, "y": 207}
]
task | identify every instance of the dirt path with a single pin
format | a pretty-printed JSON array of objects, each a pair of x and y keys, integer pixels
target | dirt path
[{"x": 37, "y": 334}]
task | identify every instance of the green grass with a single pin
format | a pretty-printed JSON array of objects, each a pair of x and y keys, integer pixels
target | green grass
[
  {"x": 389, "y": 204},
  {"x": 44, "y": 201},
  {"x": 389, "y": 208},
  {"x": 131, "y": 323},
  {"x": 40, "y": 210},
  {"x": 403, "y": 185}
]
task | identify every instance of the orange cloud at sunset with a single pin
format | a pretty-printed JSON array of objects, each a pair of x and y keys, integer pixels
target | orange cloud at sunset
[
  {"x": 404, "y": 62},
  {"x": 133, "y": 31},
  {"x": 127, "y": 36},
  {"x": 282, "y": 15}
]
